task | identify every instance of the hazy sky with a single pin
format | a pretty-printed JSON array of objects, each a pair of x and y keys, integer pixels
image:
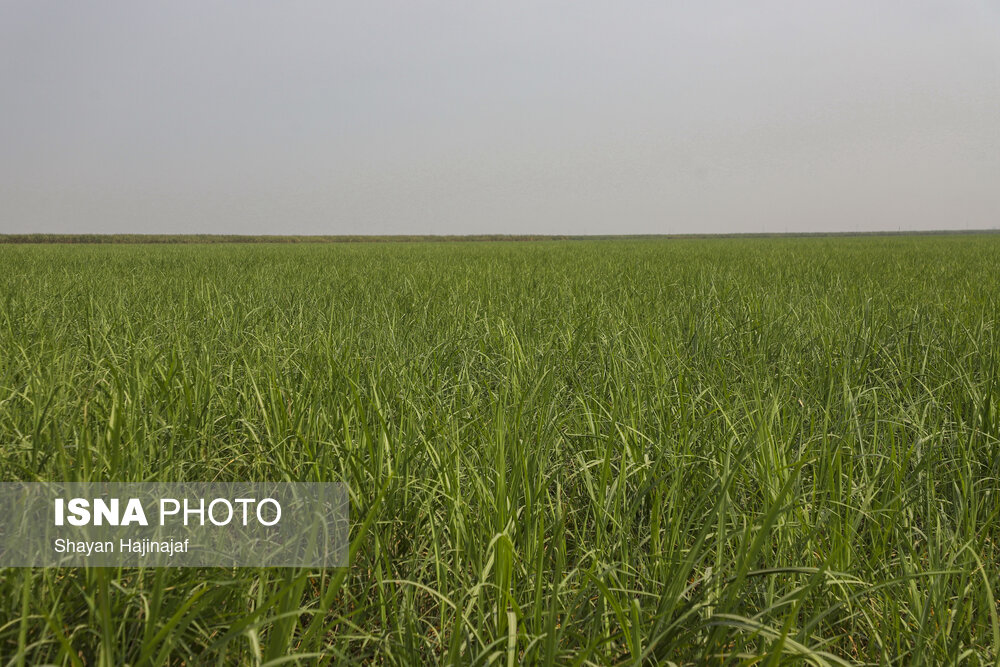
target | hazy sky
[{"x": 498, "y": 117}]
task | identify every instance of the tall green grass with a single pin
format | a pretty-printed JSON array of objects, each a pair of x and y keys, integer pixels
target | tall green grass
[{"x": 758, "y": 451}]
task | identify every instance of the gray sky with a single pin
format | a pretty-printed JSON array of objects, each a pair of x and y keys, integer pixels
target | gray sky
[{"x": 498, "y": 117}]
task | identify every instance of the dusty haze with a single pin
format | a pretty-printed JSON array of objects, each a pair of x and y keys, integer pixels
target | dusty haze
[{"x": 513, "y": 117}]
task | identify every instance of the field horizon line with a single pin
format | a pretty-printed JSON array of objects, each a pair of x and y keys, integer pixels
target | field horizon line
[{"x": 152, "y": 238}]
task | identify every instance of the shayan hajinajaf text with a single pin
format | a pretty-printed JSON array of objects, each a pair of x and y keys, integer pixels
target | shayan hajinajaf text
[{"x": 126, "y": 546}]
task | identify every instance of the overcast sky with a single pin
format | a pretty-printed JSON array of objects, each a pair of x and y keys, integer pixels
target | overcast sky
[{"x": 498, "y": 117}]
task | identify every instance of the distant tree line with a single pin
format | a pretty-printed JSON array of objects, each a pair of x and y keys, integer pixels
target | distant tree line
[{"x": 247, "y": 238}]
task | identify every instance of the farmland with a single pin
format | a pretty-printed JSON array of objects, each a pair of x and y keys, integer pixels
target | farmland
[{"x": 687, "y": 450}]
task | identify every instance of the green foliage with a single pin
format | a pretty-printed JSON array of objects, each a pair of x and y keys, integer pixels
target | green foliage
[{"x": 725, "y": 451}]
